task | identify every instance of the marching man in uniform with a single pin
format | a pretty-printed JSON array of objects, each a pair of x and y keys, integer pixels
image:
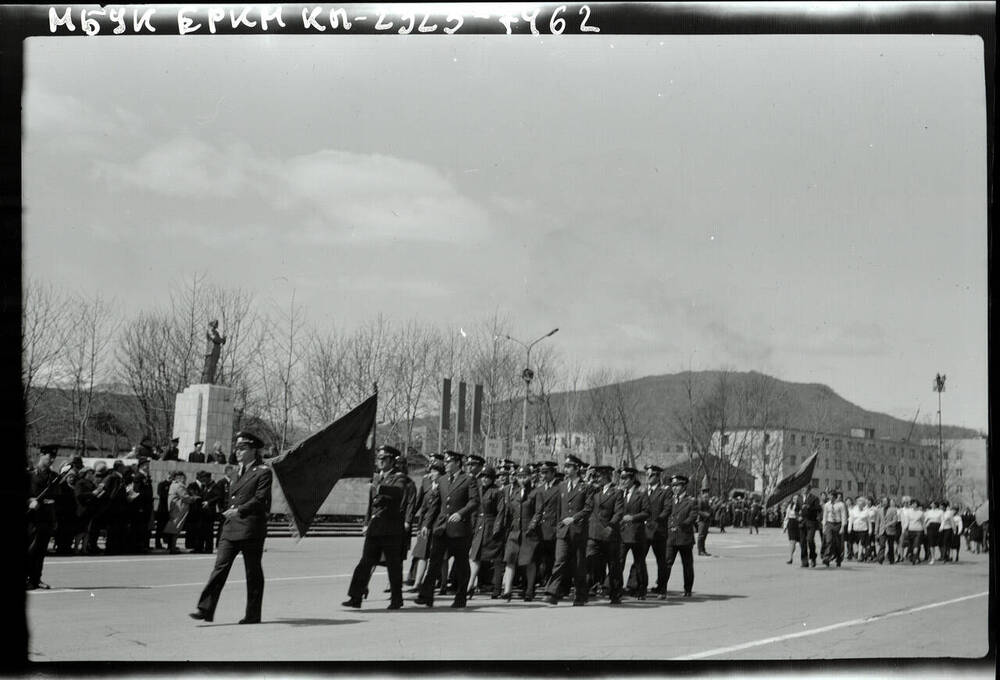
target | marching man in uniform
[
  {"x": 573, "y": 514},
  {"x": 680, "y": 532},
  {"x": 243, "y": 531}
]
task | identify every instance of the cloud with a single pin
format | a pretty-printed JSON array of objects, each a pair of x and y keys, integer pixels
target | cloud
[
  {"x": 839, "y": 340},
  {"x": 324, "y": 197},
  {"x": 63, "y": 120}
]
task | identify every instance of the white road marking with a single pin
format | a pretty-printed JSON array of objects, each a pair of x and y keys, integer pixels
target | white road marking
[
  {"x": 824, "y": 629},
  {"x": 160, "y": 558},
  {"x": 56, "y": 591}
]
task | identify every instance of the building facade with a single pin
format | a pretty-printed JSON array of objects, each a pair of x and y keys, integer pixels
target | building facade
[
  {"x": 856, "y": 463},
  {"x": 965, "y": 469}
]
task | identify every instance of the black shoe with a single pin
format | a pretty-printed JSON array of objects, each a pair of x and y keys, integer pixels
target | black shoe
[
  {"x": 246, "y": 620},
  {"x": 398, "y": 604},
  {"x": 421, "y": 600},
  {"x": 662, "y": 596},
  {"x": 201, "y": 616},
  {"x": 414, "y": 589},
  {"x": 789, "y": 562},
  {"x": 707, "y": 554},
  {"x": 641, "y": 596},
  {"x": 826, "y": 563},
  {"x": 458, "y": 605},
  {"x": 687, "y": 593},
  {"x": 507, "y": 597},
  {"x": 494, "y": 596},
  {"x": 529, "y": 598},
  {"x": 579, "y": 603},
  {"x": 813, "y": 563},
  {"x": 387, "y": 590},
  {"x": 352, "y": 602},
  {"x": 615, "y": 600},
  {"x": 552, "y": 599}
]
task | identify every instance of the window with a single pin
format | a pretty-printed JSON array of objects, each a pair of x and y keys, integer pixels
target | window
[
  {"x": 836, "y": 444},
  {"x": 838, "y": 465},
  {"x": 826, "y": 443},
  {"x": 913, "y": 491},
  {"x": 767, "y": 437},
  {"x": 848, "y": 485},
  {"x": 883, "y": 468},
  {"x": 815, "y": 482},
  {"x": 826, "y": 483},
  {"x": 958, "y": 455},
  {"x": 892, "y": 450},
  {"x": 791, "y": 460},
  {"x": 679, "y": 448},
  {"x": 882, "y": 487},
  {"x": 725, "y": 439},
  {"x": 912, "y": 474},
  {"x": 849, "y": 466},
  {"x": 826, "y": 463},
  {"x": 892, "y": 490},
  {"x": 958, "y": 489},
  {"x": 946, "y": 455},
  {"x": 892, "y": 471},
  {"x": 958, "y": 473}
]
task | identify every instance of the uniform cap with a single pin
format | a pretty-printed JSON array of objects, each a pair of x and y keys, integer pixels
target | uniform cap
[
  {"x": 476, "y": 459},
  {"x": 488, "y": 472},
  {"x": 548, "y": 465},
  {"x": 387, "y": 452},
  {"x": 454, "y": 455},
  {"x": 249, "y": 438},
  {"x": 436, "y": 456},
  {"x": 654, "y": 468},
  {"x": 200, "y": 443},
  {"x": 607, "y": 469},
  {"x": 630, "y": 471},
  {"x": 437, "y": 465},
  {"x": 573, "y": 460},
  {"x": 175, "y": 440},
  {"x": 678, "y": 479}
]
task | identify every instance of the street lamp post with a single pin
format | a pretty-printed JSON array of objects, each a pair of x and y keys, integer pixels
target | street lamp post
[
  {"x": 939, "y": 388},
  {"x": 527, "y": 375}
]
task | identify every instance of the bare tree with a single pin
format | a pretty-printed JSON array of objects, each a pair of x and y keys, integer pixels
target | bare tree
[
  {"x": 322, "y": 394},
  {"x": 43, "y": 325},
  {"x": 143, "y": 356},
  {"x": 412, "y": 367},
  {"x": 495, "y": 363},
  {"x": 84, "y": 359},
  {"x": 278, "y": 369}
]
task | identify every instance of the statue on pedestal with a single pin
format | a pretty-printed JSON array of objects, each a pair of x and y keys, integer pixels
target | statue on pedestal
[{"x": 212, "y": 351}]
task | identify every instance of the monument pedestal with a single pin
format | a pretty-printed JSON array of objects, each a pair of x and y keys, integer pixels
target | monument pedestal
[{"x": 204, "y": 413}]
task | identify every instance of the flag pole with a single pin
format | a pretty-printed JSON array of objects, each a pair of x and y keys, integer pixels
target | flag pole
[{"x": 375, "y": 421}]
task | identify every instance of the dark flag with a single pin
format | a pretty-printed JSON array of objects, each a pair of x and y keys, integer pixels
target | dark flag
[
  {"x": 793, "y": 482},
  {"x": 308, "y": 472}
]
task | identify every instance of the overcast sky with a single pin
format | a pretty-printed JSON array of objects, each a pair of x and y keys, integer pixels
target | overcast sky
[{"x": 810, "y": 207}]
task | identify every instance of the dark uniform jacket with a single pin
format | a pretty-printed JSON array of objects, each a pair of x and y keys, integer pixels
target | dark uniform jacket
[
  {"x": 683, "y": 516},
  {"x": 660, "y": 502},
  {"x": 517, "y": 518},
  {"x": 38, "y": 482},
  {"x": 575, "y": 504},
  {"x": 485, "y": 543},
  {"x": 218, "y": 494},
  {"x": 171, "y": 454},
  {"x": 196, "y": 457},
  {"x": 385, "y": 505},
  {"x": 83, "y": 491},
  {"x": 812, "y": 509},
  {"x": 251, "y": 496},
  {"x": 461, "y": 496},
  {"x": 409, "y": 500},
  {"x": 547, "y": 511},
  {"x": 162, "y": 492},
  {"x": 638, "y": 507},
  {"x": 606, "y": 516}
]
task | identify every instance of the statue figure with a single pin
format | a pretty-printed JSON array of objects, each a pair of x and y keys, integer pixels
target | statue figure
[{"x": 212, "y": 351}]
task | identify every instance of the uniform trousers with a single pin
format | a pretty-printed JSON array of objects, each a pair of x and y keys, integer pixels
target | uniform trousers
[
  {"x": 605, "y": 556},
  {"x": 371, "y": 553},
  {"x": 639, "y": 550},
  {"x": 253, "y": 550},
  {"x": 807, "y": 542},
  {"x": 659, "y": 547},
  {"x": 544, "y": 558},
  {"x": 833, "y": 541},
  {"x": 886, "y": 543},
  {"x": 442, "y": 548},
  {"x": 39, "y": 536},
  {"x": 702, "y": 535},
  {"x": 914, "y": 539},
  {"x": 687, "y": 562},
  {"x": 571, "y": 561}
]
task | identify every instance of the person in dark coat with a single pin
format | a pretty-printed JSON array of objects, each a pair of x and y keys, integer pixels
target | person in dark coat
[
  {"x": 811, "y": 517},
  {"x": 244, "y": 532},
  {"x": 193, "y": 526},
  {"x": 452, "y": 531},
  {"x": 43, "y": 486},
  {"x": 197, "y": 456},
  {"x": 113, "y": 508},
  {"x": 660, "y": 504},
  {"x": 515, "y": 521},
  {"x": 83, "y": 497},
  {"x": 217, "y": 501},
  {"x": 704, "y": 519},
  {"x": 172, "y": 452},
  {"x": 573, "y": 510},
  {"x": 604, "y": 534},
  {"x": 383, "y": 531},
  {"x": 486, "y": 543},
  {"x": 547, "y": 519},
  {"x": 680, "y": 532},
  {"x": 140, "y": 507},
  {"x": 162, "y": 511},
  {"x": 635, "y": 506},
  {"x": 65, "y": 511},
  {"x": 422, "y": 545}
]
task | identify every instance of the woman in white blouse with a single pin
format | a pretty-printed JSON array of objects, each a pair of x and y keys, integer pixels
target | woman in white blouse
[
  {"x": 791, "y": 525},
  {"x": 946, "y": 534},
  {"x": 913, "y": 529},
  {"x": 859, "y": 517},
  {"x": 932, "y": 525}
]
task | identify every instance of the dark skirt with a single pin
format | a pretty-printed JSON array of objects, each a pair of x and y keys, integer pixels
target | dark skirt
[
  {"x": 519, "y": 553},
  {"x": 793, "y": 531},
  {"x": 421, "y": 547},
  {"x": 932, "y": 534},
  {"x": 484, "y": 547}
]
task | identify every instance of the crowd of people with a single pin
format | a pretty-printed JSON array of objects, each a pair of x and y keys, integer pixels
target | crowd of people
[
  {"x": 115, "y": 510},
  {"x": 527, "y": 530},
  {"x": 864, "y": 529}
]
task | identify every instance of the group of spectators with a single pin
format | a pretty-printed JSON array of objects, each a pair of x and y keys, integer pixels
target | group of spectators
[
  {"x": 115, "y": 509},
  {"x": 864, "y": 529}
]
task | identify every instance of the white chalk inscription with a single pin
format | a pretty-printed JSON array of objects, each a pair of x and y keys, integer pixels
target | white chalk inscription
[{"x": 210, "y": 19}]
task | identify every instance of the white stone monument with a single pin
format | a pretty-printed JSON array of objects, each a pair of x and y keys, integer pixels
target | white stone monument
[{"x": 204, "y": 413}]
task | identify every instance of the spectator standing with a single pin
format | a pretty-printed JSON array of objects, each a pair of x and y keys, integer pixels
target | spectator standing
[
  {"x": 178, "y": 501},
  {"x": 218, "y": 456},
  {"x": 43, "y": 485},
  {"x": 172, "y": 453},
  {"x": 197, "y": 456}
]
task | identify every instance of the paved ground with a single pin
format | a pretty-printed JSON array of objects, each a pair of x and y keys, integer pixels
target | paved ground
[{"x": 748, "y": 604}]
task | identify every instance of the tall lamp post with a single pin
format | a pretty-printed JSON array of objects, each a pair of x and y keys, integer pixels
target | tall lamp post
[
  {"x": 527, "y": 375},
  {"x": 939, "y": 388}
]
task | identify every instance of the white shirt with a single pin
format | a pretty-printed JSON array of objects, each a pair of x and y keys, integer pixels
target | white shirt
[
  {"x": 932, "y": 516},
  {"x": 948, "y": 520},
  {"x": 913, "y": 520},
  {"x": 860, "y": 518}
]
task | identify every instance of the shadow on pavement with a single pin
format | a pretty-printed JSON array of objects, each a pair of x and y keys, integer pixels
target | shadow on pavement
[
  {"x": 291, "y": 622},
  {"x": 698, "y": 597}
]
